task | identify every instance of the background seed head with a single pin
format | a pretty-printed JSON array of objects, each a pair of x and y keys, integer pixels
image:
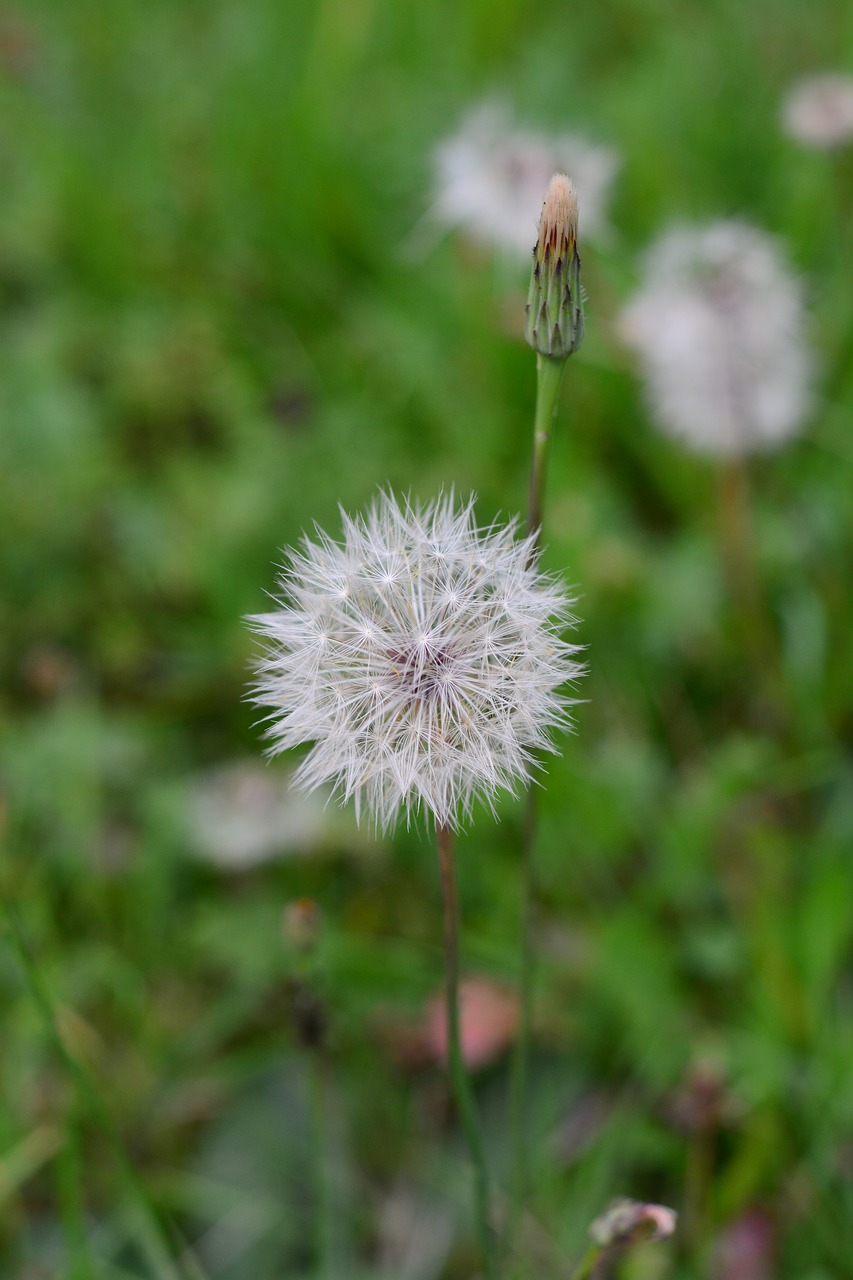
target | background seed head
[
  {"x": 490, "y": 175},
  {"x": 818, "y": 111},
  {"x": 719, "y": 327}
]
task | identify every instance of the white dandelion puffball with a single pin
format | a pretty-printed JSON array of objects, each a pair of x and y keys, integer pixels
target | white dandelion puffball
[
  {"x": 818, "y": 111},
  {"x": 491, "y": 178},
  {"x": 719, "y": 329},
  {"x": 422, "y": 658},
  {"x": 238, "y": 816}
]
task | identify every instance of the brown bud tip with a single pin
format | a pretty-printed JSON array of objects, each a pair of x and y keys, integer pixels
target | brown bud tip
[
  {"x": 554, "y": 324},
  {"x": 558, "y": 222}
]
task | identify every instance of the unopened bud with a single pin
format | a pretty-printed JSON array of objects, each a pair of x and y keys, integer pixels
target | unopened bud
[
  {"x": 629, "y": 1222},
  {"x": 554, "y": 325},
  {"x": 300, "y": 924}
]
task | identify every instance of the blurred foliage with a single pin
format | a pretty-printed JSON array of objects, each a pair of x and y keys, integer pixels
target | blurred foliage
[{"x": 212, "y": 332}]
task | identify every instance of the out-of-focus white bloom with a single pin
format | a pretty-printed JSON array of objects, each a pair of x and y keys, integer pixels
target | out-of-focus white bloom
[
  {"x": 818, "y": 111},
  {"x": 239, "y": 815},
  {"x": 491, "y": 176},
  {"x": 718, "y": 326},
  {"x": 421, "y": 657}
]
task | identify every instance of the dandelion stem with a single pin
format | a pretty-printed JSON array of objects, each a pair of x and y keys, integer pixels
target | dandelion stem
[
  {"x": 325, "y": 1197},
  {"x": 586, "y": 1266},
  {"x": 519, "y": 1088},
  {"x": 458, "y": 1073},
  {"x": 698, "y": 1178},
  {"x": 737, "y": 534},
  {"x": 150, "y": 1235},
  {"x": 549, "y": 376},
  {"x": 71, "y": 1189}
]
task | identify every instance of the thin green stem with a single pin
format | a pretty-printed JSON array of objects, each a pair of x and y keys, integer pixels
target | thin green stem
[
  {"x": 549, "y": 376},
  {"x": 698, "y": 1176},
  {"x": 586, "y": 1266},
  {"x": 519, "y": 1091},
  {"x": 71, "y": 1188},
  {"x": 326, "y": 1208},
  {"x": 737, "y": 534},
  {"x": 458, "y": 1074},
  {"x": 150, "y": 1235}
]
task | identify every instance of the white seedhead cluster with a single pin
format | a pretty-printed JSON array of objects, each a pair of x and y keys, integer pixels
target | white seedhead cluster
[
  {"x": 422, "y": 658},
  {"x": 239, "y": 815},
  {"x": 490, "y": 176},
  {"x": 818, "y": 111},
  {"x": 719, "y": 328}
]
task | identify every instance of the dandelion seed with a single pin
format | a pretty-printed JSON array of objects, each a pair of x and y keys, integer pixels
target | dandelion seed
[
  {"x": 490, "y": 177},
  {"x": 718, "y": 325},
  {"x": 435, "y": 684},
  {"x": 818, "y": 111}
]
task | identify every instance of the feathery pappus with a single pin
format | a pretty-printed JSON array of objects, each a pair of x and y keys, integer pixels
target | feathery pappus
[{"x": 421, "y": 656}]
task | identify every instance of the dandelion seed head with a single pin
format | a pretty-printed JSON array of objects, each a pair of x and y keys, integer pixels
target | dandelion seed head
[
  {"x": 433, "y": 687},
  {"x": 719, "y": 328},
  {"x": 818, "y": 111},
  {"x": 490, "y": 176}
]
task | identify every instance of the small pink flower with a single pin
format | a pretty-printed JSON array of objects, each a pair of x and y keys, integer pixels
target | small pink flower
[{"x": 488, "y": 1017}]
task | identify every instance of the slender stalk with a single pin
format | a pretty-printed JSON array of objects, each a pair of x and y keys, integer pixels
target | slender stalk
[
  {"x": 738, "y": 546},
  {"x": 150, "y": 1235},
  {"x": 519, "y": 1089},
  {"x": 586, "y": 1266},
  {"x": 837, "y": 267},
  {"x": 549, "y": 376},
  {"x": 310, "y": 1018},
  {"x": 698, "y": 1176},
  {"x": 458, "y": 1074},
  {"x": 71, "y": 1189},
  {"x": 324, "y": 1211}
]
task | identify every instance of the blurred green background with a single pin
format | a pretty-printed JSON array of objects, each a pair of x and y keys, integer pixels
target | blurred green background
[{"x": 211, "y": 333}]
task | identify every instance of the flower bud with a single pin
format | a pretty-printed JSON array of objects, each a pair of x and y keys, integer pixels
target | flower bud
[
  {"x": 554, "y": 325},
  {"x": 629, "y": 1222},
  {"x": 300, "y": 924}
]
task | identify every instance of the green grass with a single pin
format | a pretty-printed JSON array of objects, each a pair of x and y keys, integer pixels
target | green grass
[{"x": 211, "y": 334}]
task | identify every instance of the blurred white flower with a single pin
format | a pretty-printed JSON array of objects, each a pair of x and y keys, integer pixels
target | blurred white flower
[
  {"x": 818, "y": 110},
  {"x": 240, "y": 815},
  {"x": 491, "y": 178},
  {"x": 718, "y": 326},
  {"x": 421, "y": 656}
]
